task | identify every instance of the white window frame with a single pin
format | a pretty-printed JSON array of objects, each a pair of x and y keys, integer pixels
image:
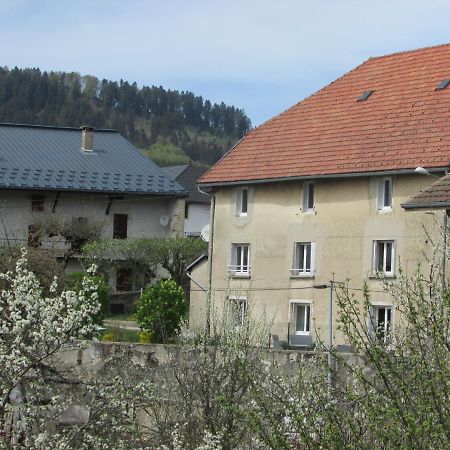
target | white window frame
[
  {"x": 384, "y": 204},
  {"x": 307, "y": 187},
  {"x": 375, "y": 254},
  {"x": 388, "y": 324},
  {"x": 299, "y": 267},
  {"x": 294, "y": 305},
  {"x": 240, "y": 253},
  {"x": 242, "y": 201},
  {"x": 238, "y": 310}
]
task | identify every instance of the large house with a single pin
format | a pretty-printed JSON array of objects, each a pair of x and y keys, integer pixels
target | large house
[
  {"x": 82, "y": 179},
  {"x": 313, "y": 197}
]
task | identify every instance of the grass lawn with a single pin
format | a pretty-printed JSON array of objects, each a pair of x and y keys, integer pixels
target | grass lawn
[
  {"x": 120, "y": 317},
  {"x": 113, "y": 334}
]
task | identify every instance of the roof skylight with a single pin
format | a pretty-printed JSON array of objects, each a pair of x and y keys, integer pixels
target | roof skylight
[
  {"x": 365, "y": 95},
  {"x": 443, "y": 84}
]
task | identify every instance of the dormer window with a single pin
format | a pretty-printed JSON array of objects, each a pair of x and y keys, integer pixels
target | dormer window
[
  {"x": 242, "y": 201},
  {"x": 308, "y": 196}
]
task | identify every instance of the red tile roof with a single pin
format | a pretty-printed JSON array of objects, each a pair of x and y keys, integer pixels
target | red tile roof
[
  {"x": 404, "y": 124},
  {"x": 435, "y": 196}
]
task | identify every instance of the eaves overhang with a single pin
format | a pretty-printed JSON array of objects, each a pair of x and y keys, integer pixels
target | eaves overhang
[
  {"x": 181, "y": 194},
  {"x": 377, "y": 173},
  {"x": 421, "y": 206}
]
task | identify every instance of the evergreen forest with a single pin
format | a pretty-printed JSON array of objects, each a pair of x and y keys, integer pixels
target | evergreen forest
[{"x": 169, "y": 126}]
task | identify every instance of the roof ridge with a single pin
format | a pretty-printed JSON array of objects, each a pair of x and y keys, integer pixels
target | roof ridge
[
  {"x": 52, "y": 127},
  {"x": 415, "y": 50}
]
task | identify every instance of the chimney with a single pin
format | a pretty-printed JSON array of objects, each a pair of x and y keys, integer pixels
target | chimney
[{"x": 87, "y": 139}]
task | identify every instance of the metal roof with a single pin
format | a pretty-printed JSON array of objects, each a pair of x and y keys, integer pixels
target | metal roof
[
  {"x": 436, "y": 196},
  {"x": 51, "y": 158},
  {"x": 187, "y": 175}
]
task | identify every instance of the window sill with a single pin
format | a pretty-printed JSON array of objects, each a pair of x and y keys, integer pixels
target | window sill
[
  {"x": 381, "y": 276},
  {"x": 385, "y": 211},
  {"x": 239, "y": 275},
  {"x": 302, "y": 275}
]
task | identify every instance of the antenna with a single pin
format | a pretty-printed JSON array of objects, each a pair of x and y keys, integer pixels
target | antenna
[
  {"x": 205, "y": 233},
  {"x": 164, "y": 220}
]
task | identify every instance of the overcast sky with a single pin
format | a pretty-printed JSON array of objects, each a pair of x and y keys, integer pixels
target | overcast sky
[{"x": 259, "y": 55}]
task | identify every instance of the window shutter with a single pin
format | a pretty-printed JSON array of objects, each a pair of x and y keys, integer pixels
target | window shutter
[
  {"x": 374, "y": 258},
  {"x": 313, "y": 257},
  {"x": 120, "y": 226},
  {"x": 238, "y": 202},
  {"x": 305, "y": 197},
  {"x": 380, "y": 194}
]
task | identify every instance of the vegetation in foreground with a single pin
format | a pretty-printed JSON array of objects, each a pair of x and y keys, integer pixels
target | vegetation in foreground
[{"x": 219, "y": 390}]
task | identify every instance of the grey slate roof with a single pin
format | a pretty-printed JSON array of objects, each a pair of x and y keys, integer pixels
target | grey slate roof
[
  {"x": 51, "y": 158},
  {"x": 174, "y": 171},
  {"x": 187, "y": 175},
  {"x": 436, "y": 196}
]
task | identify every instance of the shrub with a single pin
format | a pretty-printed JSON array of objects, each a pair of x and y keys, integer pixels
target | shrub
[{"x": 160, "y": 309}]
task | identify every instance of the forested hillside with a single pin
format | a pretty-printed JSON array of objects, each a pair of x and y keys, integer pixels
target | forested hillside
[{"x": 169, "y": 126}]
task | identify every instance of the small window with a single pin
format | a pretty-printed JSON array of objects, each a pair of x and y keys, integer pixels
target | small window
[
  {"x": 186, "y": 210},
  {"x": 308, "y": 196},
  {"x": 238, "y": 311},
  {"x": 120, "y": 226},
  {"x": 365, "y": 95},
  {"x": 34, "y": 236},
  {"x": 240, "y": 260},
  {"x": 443, "y": 84},
  {"x": 242, "y": 202},
  {"x": 384, "y": 194},
  {"x": 124, "y": 280},
  {"x": 301, "y": 318},
  {"x": 37, "y": 203},
  {"x": 304, "y": 257},
  {"x": 384, "y": 257},
  {"x": 381, "y": 321}
]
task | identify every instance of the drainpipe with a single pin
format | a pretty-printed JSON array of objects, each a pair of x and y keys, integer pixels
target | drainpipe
[{"x": 210, "y": 258}]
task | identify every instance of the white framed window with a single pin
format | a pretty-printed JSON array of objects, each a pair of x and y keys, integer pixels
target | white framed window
[
  {"x": 309, "y": 195},
  {"x": 304, "y": 259},
  {"x": 240, "y": 260},
  {"x": 242, "y": 201},
  {"x": 384, "y": 257},
  {"x": 238, "y": 310},
  {"x": 384, "y": 194},
  {"x": 300, "y": 317},
  {"x": 381, "y": 320}
]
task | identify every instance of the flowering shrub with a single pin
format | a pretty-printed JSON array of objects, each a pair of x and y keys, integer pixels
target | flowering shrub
[
  {"x": 160, "y": 309},
  {"x": 33, "y": 327}
]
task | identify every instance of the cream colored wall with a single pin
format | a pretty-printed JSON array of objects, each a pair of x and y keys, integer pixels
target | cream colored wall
[
  {"x": 344, "y": 225},
  {"x": 143, "y": 213}
]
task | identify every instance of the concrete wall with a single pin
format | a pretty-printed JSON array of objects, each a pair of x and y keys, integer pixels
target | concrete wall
[
  {"x": 344, "y": 224},
  {"x": 198, "y": 217}
]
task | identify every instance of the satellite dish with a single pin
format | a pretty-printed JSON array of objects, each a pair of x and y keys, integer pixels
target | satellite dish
[
  {"x": 205, "y": 233},
  {"x": 164, "y": 220}
]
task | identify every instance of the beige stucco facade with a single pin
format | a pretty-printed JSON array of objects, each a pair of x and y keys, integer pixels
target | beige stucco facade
[{"x": 344, "y": 224}]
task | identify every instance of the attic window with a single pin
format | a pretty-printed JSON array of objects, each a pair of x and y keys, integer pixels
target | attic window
[
  {"x": 365, "y": 96},
  {"x": 443, "y": 84}
]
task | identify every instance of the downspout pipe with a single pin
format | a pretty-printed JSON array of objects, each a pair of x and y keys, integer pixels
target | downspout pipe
[{"x": 210, "y": 260}]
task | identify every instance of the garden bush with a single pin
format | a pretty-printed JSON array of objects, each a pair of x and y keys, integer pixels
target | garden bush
[{"x": 160, "y": 310}]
